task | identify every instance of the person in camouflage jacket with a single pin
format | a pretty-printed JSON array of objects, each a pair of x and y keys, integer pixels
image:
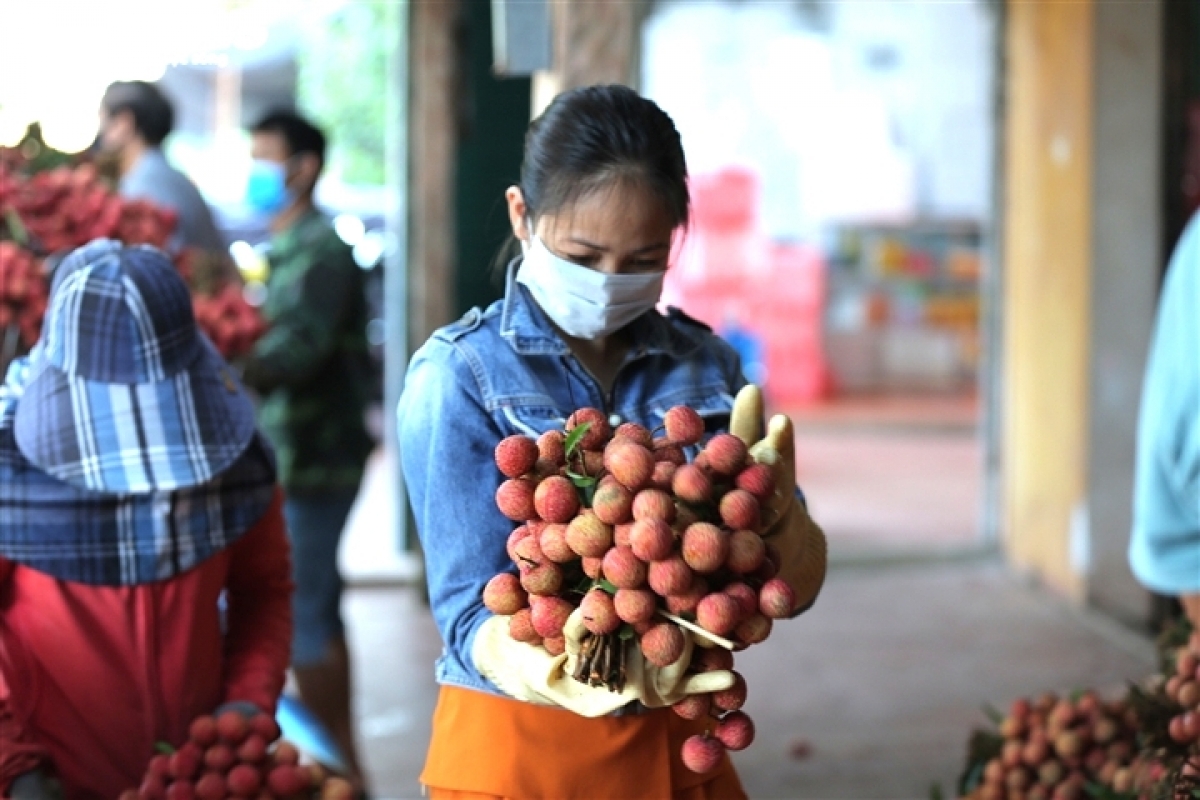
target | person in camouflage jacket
[{"x": 310, "y": 370}]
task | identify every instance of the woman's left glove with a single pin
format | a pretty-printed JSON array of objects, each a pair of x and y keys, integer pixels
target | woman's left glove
[
  {"x": 37, "y": 784},
  {"x": 799, "y": 540},
  {"x": 529, "y": 673}
]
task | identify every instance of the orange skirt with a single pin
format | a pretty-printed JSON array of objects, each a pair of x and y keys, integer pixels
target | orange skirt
[{"x": 486, "y": 747}]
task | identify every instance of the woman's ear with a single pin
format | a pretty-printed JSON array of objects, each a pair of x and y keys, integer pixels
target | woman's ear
[{"x": 517, "y": 212}]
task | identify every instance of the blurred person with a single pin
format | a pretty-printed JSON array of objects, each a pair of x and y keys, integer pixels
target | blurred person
[
  {"x": 311, "y": 370},
  {"x": 1164, "y": 550},
  {"x": 135, "y": 118},
  {"x": 135, "y": 492}
]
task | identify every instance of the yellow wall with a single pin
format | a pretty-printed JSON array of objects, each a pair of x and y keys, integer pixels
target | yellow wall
[{"x": 1047, "y": 264}]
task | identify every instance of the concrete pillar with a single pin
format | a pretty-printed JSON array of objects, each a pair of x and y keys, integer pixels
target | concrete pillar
[
  {"x": 1047, "y": 284},
  {"x": 596, "y": 42},
  {"x": 1126, "y": 259}
]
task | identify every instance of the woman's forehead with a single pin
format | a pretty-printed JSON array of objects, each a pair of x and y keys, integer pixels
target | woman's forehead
[{"x": 612, "y": 214}]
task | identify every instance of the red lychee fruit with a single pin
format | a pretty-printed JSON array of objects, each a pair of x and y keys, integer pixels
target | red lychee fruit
[
  {"x": 734, "y": 697},
  {"x": 211, "y": 786},
  {"x": 664, "y": 450},
  {"x": 593, "y": 462},
  {"x": 504, "y": 595},
  {"x": 232, "y": 727},
  {"x": 662, "y": 645},
  {"x": 514, "y": 498},
  {"x": 520, "y": 627},
  {"x": 528, "y": 553},
  {"x": 683, "y": 425},
  {"x": 686, "y": 602},
  {"x": 286, "y": 780},
  {"x": 185, "y": 762},
  {"x": 638, "y": 434},
  {"x": 735, "y": 730},
  {"x": 623, "y": 569},
  {"x": 746, "y": 597},
  {"x": 543, "y": 580},
  {"x": 664, "y": 475},
  {"x": 758, "y": 480},
  {"x": 702, "y": 753},
  {"x": 635, "y": 605},
  {"x": 694, "y": 706},
  {"x": 709, "y": 659},
  {"x": 592, "y": 566},
  {"x": 555, "y": 499},
  {"x": 651, "y": 539},
  {"x": 669, "y": 576},
  {"x": 599, "y": 615},
  {"x": 692, "y": 485},
  {"x": 554, "y": 544},
  {"x": 776, "y": 599},
  {"x": 704, "y": 547},
  {"x": 550, "y": 615},
  {"x": 203, "y": 730},
  {"x": 702, "y": 462},
  {"x": 253, "y": 750},
  {"x": 265, "y": 726},
  {"x": 753, "y": 630},
  {"x": 746, "y": 552},
  {"x": 516, "y": 455},
  {"x": 550, "y": 448},
  {"x": 243, "y": 780},
  {"x": 653, "y": 504},
  {"x": 629, "y": 463},
  {"x": 726, "y": 454},
  {"x": 621, "y": 534},
  {"x": 219, "y": 757},
  {"x": 514, "y": 538},
  {"x": 739, "y": 510},
  {"x": 718, "y": 613},
  {"x": 555, "y": 646},
  {"x": 588, "y": 536},
  {"x": 613, "y": 503},
  {"x": 598, "y": 432}
]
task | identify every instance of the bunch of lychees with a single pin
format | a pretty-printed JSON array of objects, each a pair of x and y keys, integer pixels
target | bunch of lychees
[{"x": 619, "y": 524}]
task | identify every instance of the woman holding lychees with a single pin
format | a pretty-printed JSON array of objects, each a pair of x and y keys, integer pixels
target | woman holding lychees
[{"x": 548, "y": 443}]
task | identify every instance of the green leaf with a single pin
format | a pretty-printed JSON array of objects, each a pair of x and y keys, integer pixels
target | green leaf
[
  {"x": 995, "y": 716},
  {"x": 935, "y": 792},
  {"x": 164, "y": 748},
  {"x": 577, "y": 433},
  {"x": 581, "y": 481},
  {"x": 626, "y": 632},
  {"x": 606, "y": 586}
]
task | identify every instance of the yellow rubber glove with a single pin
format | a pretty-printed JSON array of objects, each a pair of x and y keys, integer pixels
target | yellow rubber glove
[
  {"x": 529, "y": 673},
  {"x": 787, "y": 525}
]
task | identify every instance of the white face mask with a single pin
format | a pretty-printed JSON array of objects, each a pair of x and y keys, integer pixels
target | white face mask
[{"x": 582, "y": 302}]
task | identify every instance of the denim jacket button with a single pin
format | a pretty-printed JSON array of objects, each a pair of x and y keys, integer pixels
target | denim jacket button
[{"x": 615, "y": 420}]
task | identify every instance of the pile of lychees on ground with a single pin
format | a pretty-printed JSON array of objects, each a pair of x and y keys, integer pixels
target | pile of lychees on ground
[
  {"x": 620, "y": 525},
  {"x": 1143, "y": 746},
  {"x": 230, "y": 756}
]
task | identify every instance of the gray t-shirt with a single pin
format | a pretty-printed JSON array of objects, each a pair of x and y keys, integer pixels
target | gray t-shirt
[{"x": 153, "y": 179}]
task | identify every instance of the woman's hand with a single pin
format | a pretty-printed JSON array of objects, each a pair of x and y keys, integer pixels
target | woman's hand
[{"x": 800, "y": 542}]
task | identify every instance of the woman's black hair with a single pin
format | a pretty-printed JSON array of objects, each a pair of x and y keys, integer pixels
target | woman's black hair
[
  {"x": 595, "y": 136},
  {"x": 590, "y": 136}
]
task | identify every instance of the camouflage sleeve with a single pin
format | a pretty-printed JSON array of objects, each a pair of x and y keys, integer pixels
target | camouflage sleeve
[{"x": 305, "y": 326}]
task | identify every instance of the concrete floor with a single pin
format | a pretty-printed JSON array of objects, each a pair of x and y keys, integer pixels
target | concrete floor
[{"x": 883, "y": 679}]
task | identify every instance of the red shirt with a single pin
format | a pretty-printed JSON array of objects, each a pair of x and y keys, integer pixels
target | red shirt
[{"x": 91, "y": 677}]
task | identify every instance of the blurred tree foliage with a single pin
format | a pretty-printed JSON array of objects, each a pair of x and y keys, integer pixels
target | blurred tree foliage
[{"x": 342, "y": 82}]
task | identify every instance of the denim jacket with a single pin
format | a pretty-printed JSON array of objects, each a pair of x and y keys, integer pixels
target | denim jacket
[
  {"x": 1164, "y": 549},
  {"x": 505, "y": 370}
]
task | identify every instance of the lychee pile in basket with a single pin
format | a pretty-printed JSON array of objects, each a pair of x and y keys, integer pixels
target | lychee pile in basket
[
  {"x": 619, "y": 524},
  {"x": 231, "y": 756}
]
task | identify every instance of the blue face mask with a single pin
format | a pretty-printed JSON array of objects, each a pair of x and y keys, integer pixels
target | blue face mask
[{"x": 266, "y": 187}]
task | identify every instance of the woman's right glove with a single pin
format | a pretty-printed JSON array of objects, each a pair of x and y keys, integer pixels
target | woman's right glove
[
  {"x": 527, "y": 672},
  {"x": 799, "y": 540}
]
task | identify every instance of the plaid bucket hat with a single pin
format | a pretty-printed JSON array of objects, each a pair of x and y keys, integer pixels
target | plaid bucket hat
[{"x": 124, "y": 393}]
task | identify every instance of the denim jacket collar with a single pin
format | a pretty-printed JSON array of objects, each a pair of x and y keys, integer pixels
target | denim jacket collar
[{"x": 528, "y": 330}]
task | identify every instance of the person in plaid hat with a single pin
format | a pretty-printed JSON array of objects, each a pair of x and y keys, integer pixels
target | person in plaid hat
[{"x": 135, "y": 491}]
